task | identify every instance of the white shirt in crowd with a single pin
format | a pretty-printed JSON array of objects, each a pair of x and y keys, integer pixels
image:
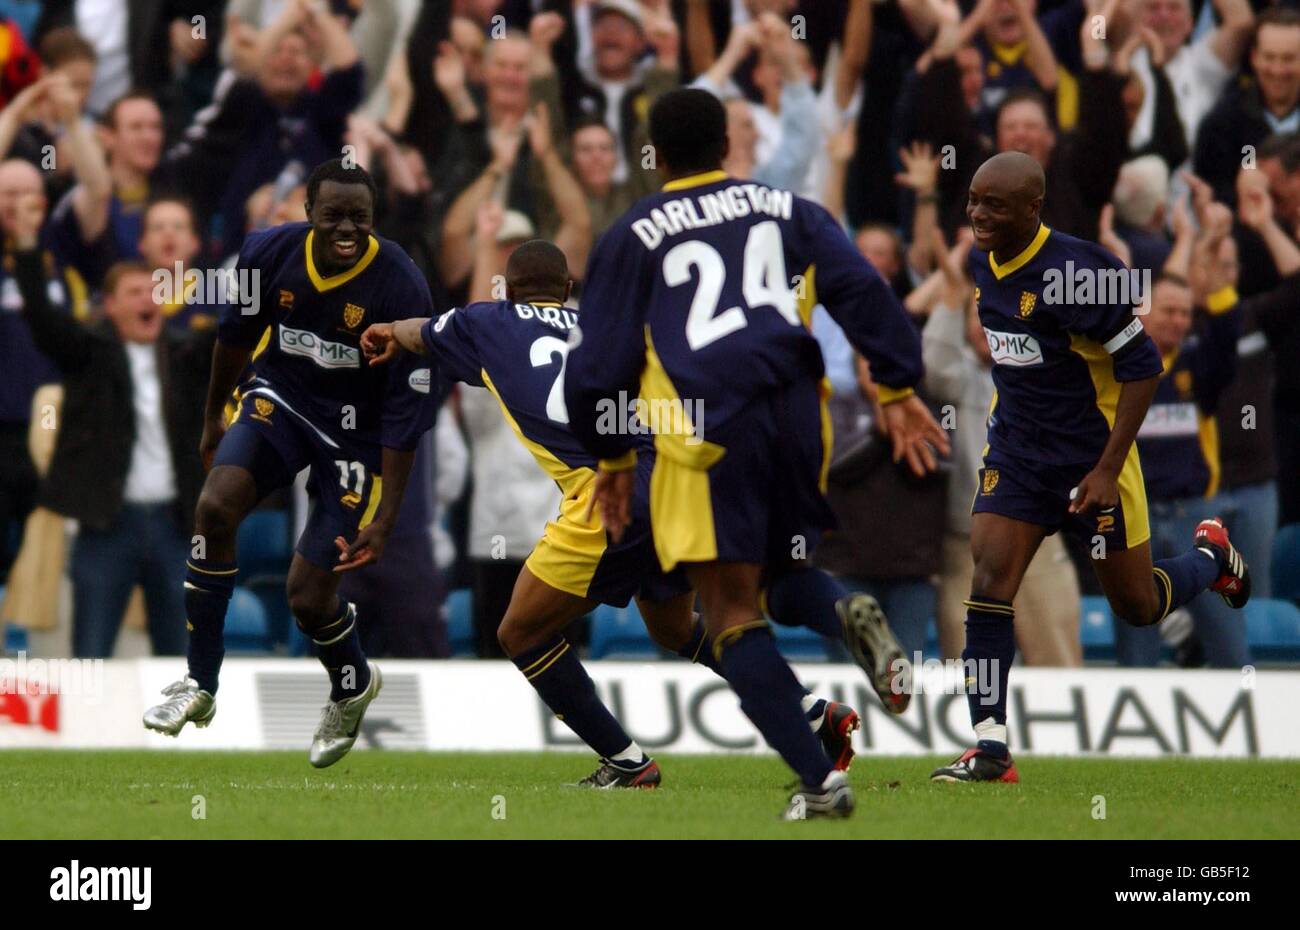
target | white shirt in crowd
[
  {"x": 503, "y": 525},
  {"x": 103, "y": 23},
  {"x": 151, "y": 478},
  {"x": 1197, "y": 77}
]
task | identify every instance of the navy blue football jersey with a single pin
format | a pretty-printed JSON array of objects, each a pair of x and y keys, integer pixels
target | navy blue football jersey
[
  {"x": 1060, "y": 353},
  {"x": 702, "y": 294},
  {"x": 307, "y": 330},
  {"x": 517, "y": 351},
  {"x": 1179, "y": 438}
]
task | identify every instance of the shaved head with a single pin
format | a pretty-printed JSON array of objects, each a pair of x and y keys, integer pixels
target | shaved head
[
  {"x": 1014, "y": 173},
  {"x": 1004, "y": 203},
  {"x": 537, "y": 270}
]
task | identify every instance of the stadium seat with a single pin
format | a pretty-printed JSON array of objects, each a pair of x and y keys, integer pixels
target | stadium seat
[
  {"x": 618, "y": 633},
  {"x": 265, "y": 548},
  {"x": 1286, "y": 563},
  {"x": 459, "y": 614},
  {"x": 264, "y": 543},
  {"x": 1273, "y": 630},
  {"x": 800, "y": 644},
  {"x": 15, "y": 636},
  {"x": 1097, "y": 628},
  {"x": 247, "y": 630}
]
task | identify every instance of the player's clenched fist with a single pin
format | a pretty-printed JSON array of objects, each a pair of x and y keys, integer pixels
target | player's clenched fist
[
  {"x": 378, "y": 344},
  {"x": 383, "y": 341},
  {"x": 1099, "y": 490}
]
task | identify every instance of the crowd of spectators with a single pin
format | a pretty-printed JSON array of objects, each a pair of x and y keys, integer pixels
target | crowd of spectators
[{"x": 149, "y": 137}]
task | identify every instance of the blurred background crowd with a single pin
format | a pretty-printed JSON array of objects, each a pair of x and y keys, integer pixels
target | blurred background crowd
[{"x": 140, "y": 136}]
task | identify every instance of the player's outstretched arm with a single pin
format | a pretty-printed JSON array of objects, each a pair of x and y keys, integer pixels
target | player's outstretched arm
[
  {"x": 383, "y": 341},
  {"x": 1099, "y": 489}
]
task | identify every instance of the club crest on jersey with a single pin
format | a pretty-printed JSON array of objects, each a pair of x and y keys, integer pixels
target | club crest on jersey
[
  {"x": 350, "y": 500},
  {"x": 1027, "y": 301},
  {"x": 353, "y": 315},
  {"x": 990, "y": 480},
  {"x": 264, "y": 409},
  {"x": 286, "y": 299}
]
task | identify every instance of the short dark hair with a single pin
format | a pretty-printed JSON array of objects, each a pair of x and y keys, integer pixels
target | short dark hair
[
  {"x": 1021, "y": 95},
  {"x": 63, "y": 45},
  {"x": 171, "y": 197},
  {"x": 1285, "y": 147},
  {"x": 688, "y": 128},
  {"x": 109, "y": 118},
  {"x": 588, "y": 122},
  {"x": 119, "y": 270},
  {"x": 1283, "y": 16},
  {"x": 538, "y": 268},
  {"x": 335, "y": 170}
]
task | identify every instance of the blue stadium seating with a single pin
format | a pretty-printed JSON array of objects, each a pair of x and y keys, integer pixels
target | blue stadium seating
[
  {"x": 265, "y": 548},
  {"x": 799, "y": 644},
  {"x": 15, "y": 636},
  {"x": 247, "y": 629},
  {"x": 264, "y": 543},
  {"x": 459, "y": 611},
  {"x": 1286, "y": 563},
  {"x": 1273, "y": 630},
  {"x": 1097, "y": 629},
  {"x": 619, "y": 633}
]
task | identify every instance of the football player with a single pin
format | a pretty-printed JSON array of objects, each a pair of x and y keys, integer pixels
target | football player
[
  {"x": 516, "y": 349},
  {"x": 308, "y": 290},
  {"x": 1074, "y": 376},
  {"x": 689, "y": 299}
]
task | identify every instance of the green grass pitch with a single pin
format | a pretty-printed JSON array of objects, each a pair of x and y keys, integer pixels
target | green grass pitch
[{"x": 375, "y": 794}]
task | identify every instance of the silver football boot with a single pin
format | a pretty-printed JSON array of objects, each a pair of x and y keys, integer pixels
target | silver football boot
[
  {"x": 340, "y": 722},
  {"x": 186, "y": 703},
  {"x": 877, "y": 652}
]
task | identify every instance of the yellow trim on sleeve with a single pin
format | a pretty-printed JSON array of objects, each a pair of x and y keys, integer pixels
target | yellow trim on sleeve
[
  {"x": 887, "y": 395},
  {"x": 625, "y": 462}
]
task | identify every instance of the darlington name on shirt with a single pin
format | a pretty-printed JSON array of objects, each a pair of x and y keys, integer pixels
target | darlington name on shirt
[
  {"x": 731, "y": 271},
  {"x": 720, "y": 206},
  {"x": 1058, "y": 366}
]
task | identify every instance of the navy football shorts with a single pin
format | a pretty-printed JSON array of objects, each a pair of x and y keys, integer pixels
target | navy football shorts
[
  {"x": 754, "y": 491},
  {"x": 273, "y": 442},
  {"x": 1036, "y": 493}
]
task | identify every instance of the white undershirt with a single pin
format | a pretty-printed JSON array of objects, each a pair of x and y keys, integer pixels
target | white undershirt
[{"x": 151, "y": 478}]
